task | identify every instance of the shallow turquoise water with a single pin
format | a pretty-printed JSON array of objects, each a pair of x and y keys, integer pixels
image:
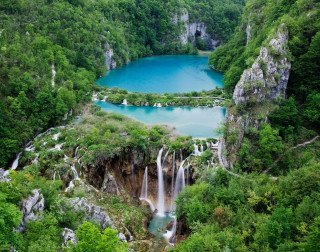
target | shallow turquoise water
[
  {"x": 195, "y": 122},
  {"x": 158, "y": 225},
  {"x": 164, "y": 74}
]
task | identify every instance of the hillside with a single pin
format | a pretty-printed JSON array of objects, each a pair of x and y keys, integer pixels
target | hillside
[
  {"x": 266, "y": 196},
  {"x": 52, "y": 52}
]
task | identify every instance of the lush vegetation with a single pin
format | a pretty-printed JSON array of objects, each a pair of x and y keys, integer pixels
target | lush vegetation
[
  {"x": 210, "y": 98},
  {"x": 269, "y": 201},
  {"x": 302, "y": 20},
  {"x": 220, "y": 16},
  {"x": 88, "y": 143},
  {"x": 254, "y": 212},
  {"x": 52, "y": 51}
]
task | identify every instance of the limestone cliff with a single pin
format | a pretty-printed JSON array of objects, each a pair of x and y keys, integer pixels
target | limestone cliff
[
  {"x": 257, "y": 90},
  {"x": 109, "y": 59},
  {"x": 193, "y": 30}
]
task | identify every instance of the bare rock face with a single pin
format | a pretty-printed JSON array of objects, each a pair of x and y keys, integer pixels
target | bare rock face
[
  {"x": 122, "y": 237},
  {"x": 4, "y": 175},
  {"x": 109, "y": 184},
  {"x": 110, "y": 61},
  {"x": 32, "y": 208},
  {"x": 249, "y": 33},
  {"x": 69, "y": 237},
  {"x": 265, "y": 82},
  {"x": 268, "y": 77},
  {"x": 194, "y": 30},
  {"x": 93, "y": 212}
]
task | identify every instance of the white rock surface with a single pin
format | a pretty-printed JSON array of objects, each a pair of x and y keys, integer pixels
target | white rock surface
[
  {"x": 93, "y": 212},
  {"x": 68, "y": 236},
  {"x": 32, "y": 208},
  {"x": 110, "y": 61}
]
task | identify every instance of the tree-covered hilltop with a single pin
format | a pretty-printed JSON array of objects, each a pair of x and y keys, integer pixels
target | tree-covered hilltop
[
  {"x": 296, "y": 73},
  {"x": 259, "y": 20},
  {"x": 52, "y": 51}
]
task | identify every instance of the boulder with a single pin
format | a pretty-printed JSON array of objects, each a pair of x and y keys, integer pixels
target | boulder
[
  {"x": 109, "y": 184},
  {"x": 32, "y": 208},
  {"x": 69, "y": 237},
  {"x": 4, "y": 175},
  {"x": 92, "y": 212}
]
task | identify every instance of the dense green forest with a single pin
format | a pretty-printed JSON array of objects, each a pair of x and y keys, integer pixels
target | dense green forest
[
  {"x": 52, "y": 52},
  {"x": 270, "y": 200}
]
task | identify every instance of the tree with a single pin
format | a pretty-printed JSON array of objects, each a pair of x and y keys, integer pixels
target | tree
[
  {"x": 90, "y": 239},
  {"x": 10, "y": 218}
]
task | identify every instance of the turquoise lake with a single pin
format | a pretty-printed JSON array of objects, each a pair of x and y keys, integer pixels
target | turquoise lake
[
  {"x": 195, "y": 122},
  {"x": 164, "y": 74}
]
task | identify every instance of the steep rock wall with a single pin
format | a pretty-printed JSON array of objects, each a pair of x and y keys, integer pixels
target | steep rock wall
[
  {"x": 257, "y": 90},
  {"x": 194, "y": 30}
]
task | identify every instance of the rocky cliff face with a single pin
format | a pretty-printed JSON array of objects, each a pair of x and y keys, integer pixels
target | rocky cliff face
[
  {"x": 110, "y": 61},
  {"x": 258, "y": 88},
  {"x": 267, "y": 79},
  {"x": 194, "y": 30},
  {"x": 32, "y": 208}
]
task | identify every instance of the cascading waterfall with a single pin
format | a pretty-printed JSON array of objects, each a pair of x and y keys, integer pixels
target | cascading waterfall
[
  {"x": 125, "y": 102},
  {"x": 161, "y": 194},
  {"x": 16, "y": 162},
  {"x": 180, "y": 181},
  {"x": 165, "y": 158},
  {"x": 201, "y": 148},
  {"x": 144, "y": 190},
  {"x": 196, "y": 150},
  {"x": 172, "y": 178}
]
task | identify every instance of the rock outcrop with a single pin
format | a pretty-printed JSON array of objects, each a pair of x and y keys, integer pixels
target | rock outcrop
[
  {"x": 249, "y": 33},
  {"x": 32, "y": 208},
  {"x": 194, "y": 30},
  {"x": 68, "y": 237},
  {"x": 4, "y": 175},
  {"x": 110, "y": 61},
  {"x": 109, "y": 184},
  {"x": 92, "y": 212},
  {"x": 268, "y": 77},
  {"x": 256, "y": 92}
]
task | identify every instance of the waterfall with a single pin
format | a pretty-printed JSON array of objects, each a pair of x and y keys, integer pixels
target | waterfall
[
  {"x": 161, "y": 194},
  {"x": 76, "y": 153},
  {"x": 144, "y": 188},
  {"x": 201, "y": 148},
  {"x": 124, "y": 102},
  {"x": 169, "y": 235},
  {"x": 165, "y": 158},
  {"x": 172, "y": 178},
  {"x": 74, "y": 171},
  {"x": 196, "y": 150},
  {"x": 180, "y": 182},
  {"x": 16, "y": 162}
]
